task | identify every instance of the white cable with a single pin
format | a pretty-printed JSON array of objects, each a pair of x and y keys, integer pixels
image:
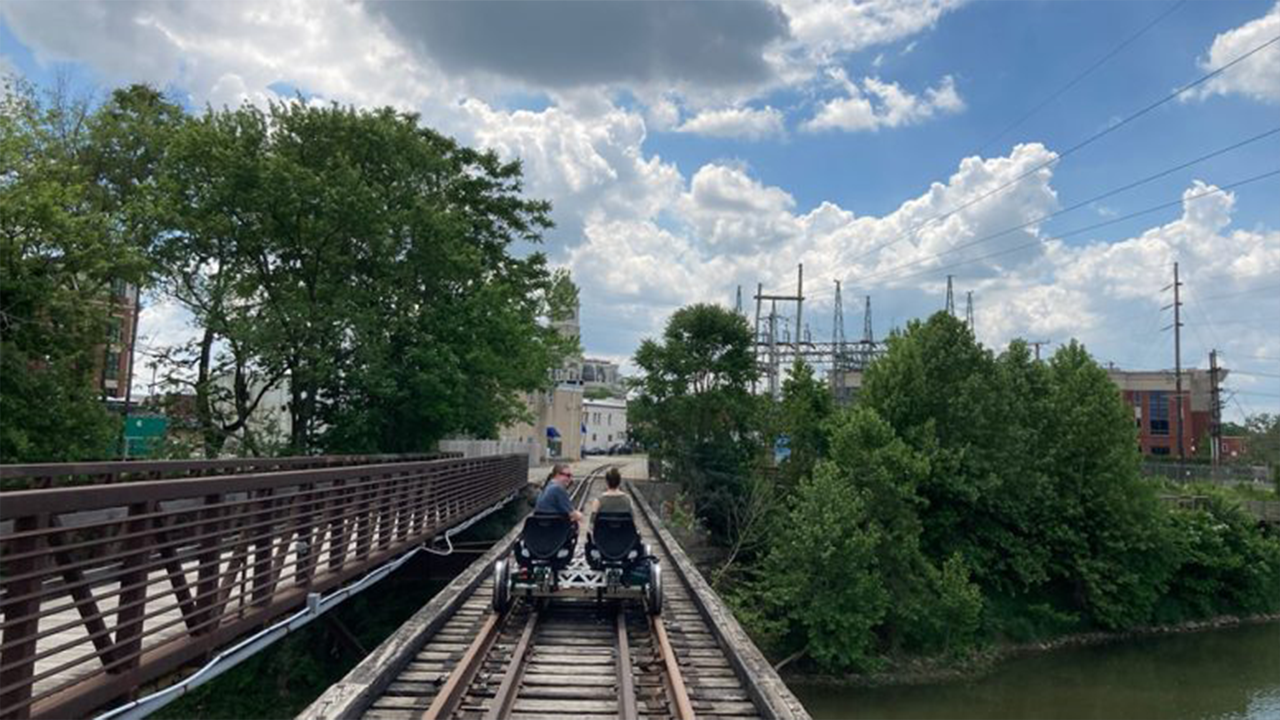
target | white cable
[{"x": 250, "y": 646}]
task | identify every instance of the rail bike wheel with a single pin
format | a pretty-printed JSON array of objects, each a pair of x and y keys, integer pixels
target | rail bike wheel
[
  {"x": 653, "y": 591},
  {"x": 501, "y": 586}
]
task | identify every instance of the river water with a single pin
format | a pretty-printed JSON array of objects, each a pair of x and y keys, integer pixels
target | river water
[{"x": 1229, "y": 674}]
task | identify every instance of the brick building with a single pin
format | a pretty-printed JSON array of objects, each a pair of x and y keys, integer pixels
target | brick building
[
  {"x": 116, "y": 353},
  {"x": 1152, "y": 394}
]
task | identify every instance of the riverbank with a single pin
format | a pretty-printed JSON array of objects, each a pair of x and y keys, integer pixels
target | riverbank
[{"x": 907, "y": 671}]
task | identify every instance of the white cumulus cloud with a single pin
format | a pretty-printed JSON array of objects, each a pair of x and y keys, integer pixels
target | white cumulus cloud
[
  {"x": 743, "y": 123},
  {"x": 1257, "y": 77},
  {"x": 874, "y": 104}
]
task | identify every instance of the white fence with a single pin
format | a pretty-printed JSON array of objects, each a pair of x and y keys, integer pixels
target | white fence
[{"x": 478, "y": 448}]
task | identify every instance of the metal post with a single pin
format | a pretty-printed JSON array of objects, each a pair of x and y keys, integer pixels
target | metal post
[
  {"x": 1177, "y": 356},
  {"x": 1215, "y": 423},
  {"x": 799, "y": 303}
]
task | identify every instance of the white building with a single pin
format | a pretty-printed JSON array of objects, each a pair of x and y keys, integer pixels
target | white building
[
  {"x": 605, "y": 423},
  {"x": 597, "y": 373}
]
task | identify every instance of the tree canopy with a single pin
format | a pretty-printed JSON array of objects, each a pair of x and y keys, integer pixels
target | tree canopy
[
  {"x": 374, "y": 268},
  {"x": 695, "y": 411}
]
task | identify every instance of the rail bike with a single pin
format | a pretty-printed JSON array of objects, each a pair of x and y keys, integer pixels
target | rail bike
[{"x": 615, "y": 564}]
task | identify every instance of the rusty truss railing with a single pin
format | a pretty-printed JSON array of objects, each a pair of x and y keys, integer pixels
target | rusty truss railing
[
  {"x": 106, "y": 587},
  {"x": 47, "y": 475}
]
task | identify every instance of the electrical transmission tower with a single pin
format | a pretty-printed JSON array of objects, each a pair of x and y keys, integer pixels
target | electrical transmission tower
[
  {"x": 868, "y": 337},
  {"x": 767, "y": 342},
  {"x": 839, "y": 349},
  {"x": 737, "y": 306},
  {"x": 775, "y": 350},
  {"x": 951, "y": 299}
]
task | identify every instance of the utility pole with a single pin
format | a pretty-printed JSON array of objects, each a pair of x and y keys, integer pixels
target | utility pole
[
  {"x": 968, "y": 310},
  {"x": 1037, "y": 343},
  {"x": 837, "y": 322},
  {"x": 1215, "y": 422},
  {"x": 755, "y": 341},
  {"x": 1177, "y": 354},
  {"x": 838, "y": 352},
  {"x": 951, "y": 300},
  {"x": 799, "y": 302},
  {"x": 868, "y": 338},
  {"x": 773, "y": 347},
  {"x": 769, "y": 344}
]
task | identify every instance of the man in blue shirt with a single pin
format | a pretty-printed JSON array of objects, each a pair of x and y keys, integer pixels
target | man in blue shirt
[{"x": 555, "y": 496}]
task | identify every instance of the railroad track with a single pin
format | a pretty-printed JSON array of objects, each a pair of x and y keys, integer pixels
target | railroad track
[{"x": 570, "y": 657}]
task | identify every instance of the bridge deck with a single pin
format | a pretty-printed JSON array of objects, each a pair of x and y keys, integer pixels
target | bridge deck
[{"x": 572, "y": 665}]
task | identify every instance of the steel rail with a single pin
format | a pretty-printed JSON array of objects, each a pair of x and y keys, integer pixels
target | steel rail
[
  {"x": 448, "y": 700},
  {"x": 626, "y": 681},
  {"x": 675, "y": 680},
  {"x": 505, "y": 697},
  {"x": 577, "y": 662}
]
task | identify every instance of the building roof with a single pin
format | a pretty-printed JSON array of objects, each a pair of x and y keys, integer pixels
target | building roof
[{"x": 606, "y": 402}]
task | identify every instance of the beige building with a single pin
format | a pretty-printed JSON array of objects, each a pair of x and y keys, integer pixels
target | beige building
[
  {"x": 557, "y": 411},
  {"x": 557, "y": 423}
]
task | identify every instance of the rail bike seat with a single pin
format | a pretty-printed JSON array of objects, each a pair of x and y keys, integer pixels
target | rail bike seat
[
  {"x": 615, "y": 542},
  {"x": 547, "y": 540}
]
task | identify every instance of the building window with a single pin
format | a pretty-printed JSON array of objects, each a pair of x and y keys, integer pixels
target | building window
[
  {"x": 113, "y": 330},
  {"x": 609, "y": 419},
  {"x": 1159, "y": 401},
  {"x": 593, "y": 437},
  {"x": 1160, "y": 449},
  {"x": 112, "y": 368}
]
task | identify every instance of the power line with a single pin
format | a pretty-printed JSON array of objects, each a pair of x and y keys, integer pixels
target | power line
[
  {"x": 1078, "y": 205},
  {"x": 1087, "y": 72},
  {"x": 1241, "y": 292},
  {"x": 1095, "y": 226},
  {"x": 1078, "y": 146},
  {"x": 1255, "y": 392},
  {"x": 1262, "y": 357},
  {"x": 1253, "y": 373}
]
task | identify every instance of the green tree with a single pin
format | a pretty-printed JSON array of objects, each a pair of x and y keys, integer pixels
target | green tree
[
  {"x": 950, "y": 399},
  {"x": 71, "y": 216},
  {"x": 846, "y": 580},
  {"x": 821, "y": 593},
  {"x": 802, "y": 415},
  {"x": 1110, "y": 542},
  {"x": 1224, "y": 564},
  {"x": 695, "y": 411},
  {"x": 1262, "y": 439},
  {"x": 364, "y": 260}
]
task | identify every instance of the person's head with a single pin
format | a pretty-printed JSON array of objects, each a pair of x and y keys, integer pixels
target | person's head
[
  {"x": 613, "y": 479},
  {"x": 560, "y": 473}
]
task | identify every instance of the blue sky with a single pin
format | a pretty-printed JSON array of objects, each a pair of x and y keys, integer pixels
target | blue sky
[{"x": 692, "y": 148}]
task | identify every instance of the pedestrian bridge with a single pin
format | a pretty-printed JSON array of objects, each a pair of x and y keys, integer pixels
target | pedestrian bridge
[{"x": 114, "y": 576}]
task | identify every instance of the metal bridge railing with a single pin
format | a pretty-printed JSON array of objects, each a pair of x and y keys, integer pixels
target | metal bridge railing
[
  {"x": 47, "y": 475},
  {"x": 106, "y": 587}
]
